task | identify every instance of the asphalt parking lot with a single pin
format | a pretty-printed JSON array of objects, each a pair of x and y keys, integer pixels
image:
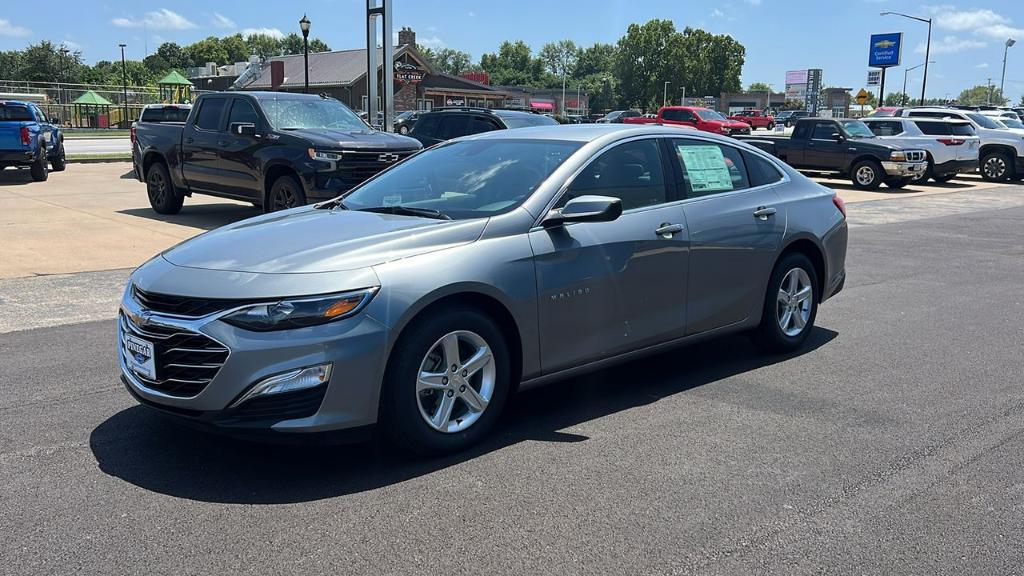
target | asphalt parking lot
[{"x": 892, "y": 444}]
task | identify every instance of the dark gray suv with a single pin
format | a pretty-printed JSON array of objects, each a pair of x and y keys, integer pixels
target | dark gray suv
[{"x": 447, "y": 123}]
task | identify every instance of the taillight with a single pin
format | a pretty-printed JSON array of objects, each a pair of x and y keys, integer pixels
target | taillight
[
  {"x": 25, "y": 136},
  {"x": 839, "y": 205},
  {"x": 131, "y": 134},
  {"x": 951, "y": 141}
]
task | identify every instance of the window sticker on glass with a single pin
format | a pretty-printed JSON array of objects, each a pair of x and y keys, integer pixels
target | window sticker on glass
[
  {"x": 392, "y": 200},
  {"x": 706, "y": 168}
]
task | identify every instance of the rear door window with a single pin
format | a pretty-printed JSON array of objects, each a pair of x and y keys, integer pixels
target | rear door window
[
  {"x": 710, "y": 168},
  {"x": 824, "y": 131},
  {"x": 935, "y": 128},
  {"x": 15, "y": 113},
  {"x": 210, "y": 112},
  {"x": 478, "y": 125},
  {"x": 427, "y": 125},
  {"x": 761, "y": 171},
  {"x": 454, "y": 125}
]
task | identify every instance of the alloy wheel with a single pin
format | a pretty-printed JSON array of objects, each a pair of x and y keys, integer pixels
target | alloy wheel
[
  {"x": 284, "y": 198},
  {"x": 793, "y": 308},
  {"x": 156, "y": 187},
  {"x": 995, "y": 167},
  {"x": 865, "y": 175},
  {"x": 456, "y": 381}
]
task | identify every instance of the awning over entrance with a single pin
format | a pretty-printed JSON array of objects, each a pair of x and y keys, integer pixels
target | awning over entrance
[{"x": 542, "y": 105}]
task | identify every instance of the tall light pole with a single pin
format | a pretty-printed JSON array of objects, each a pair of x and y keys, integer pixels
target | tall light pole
[
  {"x": 905, "y": 72},
  {"x": 927, "y": 49},
  {"x": 304, "y": 25},
  {"x": 664, "y": 95},
  {"x": 124, "y": 85},
  {"x": 1009, "y": 42}
]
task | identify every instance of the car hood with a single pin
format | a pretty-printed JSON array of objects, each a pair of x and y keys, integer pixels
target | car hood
[
  {"x": 310, "y": 240},
  {"x": 355, "y": 139}
]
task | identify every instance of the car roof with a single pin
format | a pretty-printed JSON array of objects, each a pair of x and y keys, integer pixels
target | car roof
[
  {"x": 914, "y": 119},
  {"x": 16, "y": 102},
  {"x": 591, "y": 132}
]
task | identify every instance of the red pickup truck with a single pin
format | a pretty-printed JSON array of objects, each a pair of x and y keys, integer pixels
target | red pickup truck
[
  {"x": 694, "y": 117},
  {"x": 756, "y": 119}
]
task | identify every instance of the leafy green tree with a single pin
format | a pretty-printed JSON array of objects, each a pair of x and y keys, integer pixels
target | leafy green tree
[
  {"x": 173, "y": 55},
  {"x": 792, "y": 104},
  {"x": 206, "y": 50},
  {"x": 235, "y": 47},
  {"x": 982, "y": 94},
  {"x": 450, "y": 61},
  {"x": 1021, "y": 103},
  {"x": 759, "y": 87},
  {"x": 514, "y": 64},
  {"x": 560, "y": 57},
  {"x": 10, "y": 64},
  {"x": 318, "y": 45},
  {"x": 603, "y": 90},
  {"x": 897, "y": 99},
  {"x": 263, "y": 45},
  {"x": 597, "y": 59}
]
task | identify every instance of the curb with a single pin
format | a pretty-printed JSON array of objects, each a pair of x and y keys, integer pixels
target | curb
[{"x": 72, "y": 160}]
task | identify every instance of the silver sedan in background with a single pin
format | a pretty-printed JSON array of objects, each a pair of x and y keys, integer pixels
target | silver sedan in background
[{"x": 420, "y": 300}]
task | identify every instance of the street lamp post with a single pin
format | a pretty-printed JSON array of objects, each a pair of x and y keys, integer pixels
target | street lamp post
[
  {"x": 927, "y": 49},
  {"x": 905, "y": 72},
  {"x": 664, "y": 95},
  {"x": 1009, "y": 42},
  {"x": 124, "y": 85},
  {"x": 304, "y": 25},
  {"x": 63, "y": 73}
]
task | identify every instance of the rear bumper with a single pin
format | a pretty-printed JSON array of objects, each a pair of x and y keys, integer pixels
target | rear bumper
[
  {"x": 17, "y": 157},
  {"x": 954, "y": 167},
  {"x": 904, "y": 168}
]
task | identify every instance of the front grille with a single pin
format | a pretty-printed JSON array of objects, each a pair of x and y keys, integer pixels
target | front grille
[
  {"x": 185, "y": 361},
  {"x": 354, "y": 168},
  {"x": 276, "y": 407},
  {"x": 184, "y": 305},
  {"x": 915, "y": 156}
]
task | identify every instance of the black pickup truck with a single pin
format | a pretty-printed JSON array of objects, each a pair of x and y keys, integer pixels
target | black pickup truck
[
  {"x": 847, "y": 147},
  {"x": 277, "y": 150}
]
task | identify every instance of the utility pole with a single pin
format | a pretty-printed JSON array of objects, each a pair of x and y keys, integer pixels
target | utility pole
[{"x": 1002, "y": 81}]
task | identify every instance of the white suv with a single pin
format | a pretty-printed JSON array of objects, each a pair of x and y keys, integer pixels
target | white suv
[
  {"x": 1002, "y": 149},
  {"x": 952, "y": 145}
]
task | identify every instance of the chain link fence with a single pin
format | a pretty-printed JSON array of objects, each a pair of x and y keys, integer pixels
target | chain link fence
[{"x": 57, "y": 100}]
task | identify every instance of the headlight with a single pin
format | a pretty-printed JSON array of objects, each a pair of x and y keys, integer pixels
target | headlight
[
  {"x": 323, "y": 155},
  {"x": 724, "y": 129},
  {"x": 897, "y": 156},
  {"x": 300, "y": 312}
]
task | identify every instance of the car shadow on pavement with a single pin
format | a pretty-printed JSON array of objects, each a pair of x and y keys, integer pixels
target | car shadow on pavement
[
  {"x": 148, "y": 450},
  {"x": 15, "y": 177},
  {"x": 205, "y": 216}
]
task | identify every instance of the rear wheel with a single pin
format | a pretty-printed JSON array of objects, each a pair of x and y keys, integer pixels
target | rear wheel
[
  {"x": 867, "y": 175},
  {"x": 40, "y": 169},
  {"x": 163, "y": 198},
  {"x": 286, "y": 192},
  {"x": 996, "y": 167},
  {"x": 790, "y": 306},
  {"x": 771, "y": 126},
  {"x": 403, "y": 129},
  {"x": 446, "y": 382}
]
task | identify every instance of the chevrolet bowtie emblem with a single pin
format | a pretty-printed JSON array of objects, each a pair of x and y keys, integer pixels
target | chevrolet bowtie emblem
[{"x": 388, "y": 157}]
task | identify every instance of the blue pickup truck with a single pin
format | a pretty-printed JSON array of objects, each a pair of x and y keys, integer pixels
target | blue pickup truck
[{"x": 29, "y": 139}]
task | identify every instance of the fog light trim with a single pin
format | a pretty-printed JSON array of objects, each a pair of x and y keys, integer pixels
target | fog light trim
[{"x": 300, "y": 379}]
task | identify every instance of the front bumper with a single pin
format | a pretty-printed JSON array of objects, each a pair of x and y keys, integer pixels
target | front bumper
[
  {"x": 902, "y": 169},
  {"x": 355, "y": 347},
  {"x": 17, "y": 157}
]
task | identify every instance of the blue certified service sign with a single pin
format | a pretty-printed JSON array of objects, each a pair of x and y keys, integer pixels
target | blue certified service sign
[{"x": 885, "y": 50}]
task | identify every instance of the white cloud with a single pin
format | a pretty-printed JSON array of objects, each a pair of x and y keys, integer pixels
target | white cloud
[
  {"x": 981, "y": 65},
  {"x": 432, "y": 42},
  {"x": 951, "y": 45},
  {"x": 8, "y": 29},
  {"x": 221, "y": 21},
  {"x": 979, "y": 21},
  {"x": 162, "y": 19},
  {"x": 754, "y": 2},
  {"x": 71, "y": 45},
  {"x": 273, "y": 32},
  {"x": 471, "y": 14},
  {"x": 716, "y": 13}
]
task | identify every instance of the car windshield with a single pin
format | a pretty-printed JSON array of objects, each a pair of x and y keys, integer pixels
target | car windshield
[
  {"x": 298, "y": 113},
  {"x": 463, "y": 180},
  {"x": 526, "y": 120},
  {"x": 1012, "y": 123},
  {"x": 15, "y": 113},
  {"x": 404, "y": 115},
  {"x": 706, "y": 115},
  {"x": 984, "y": 121},
  {"x": 857, "y": 129}
]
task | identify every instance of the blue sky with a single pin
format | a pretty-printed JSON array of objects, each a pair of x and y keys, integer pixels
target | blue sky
[{"x": 967, "y": 40}]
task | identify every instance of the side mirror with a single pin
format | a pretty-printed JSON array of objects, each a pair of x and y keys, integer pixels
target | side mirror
[
  {"x": 243, "y": 128},
  {"x": 55, "y": 120},
  {"x": 585, "y": 209},
  {"x": 838, "y": 137}
]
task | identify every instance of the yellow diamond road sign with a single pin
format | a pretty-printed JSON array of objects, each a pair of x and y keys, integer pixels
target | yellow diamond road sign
[{"x": 862, "y": 97}]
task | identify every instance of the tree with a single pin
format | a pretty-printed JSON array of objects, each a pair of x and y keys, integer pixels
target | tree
[
  {"x": 206, "y": 50},
  {"x": 897, "y": 99},
  {"x": 982, "y": 94},
  {"x": 560, "y": 57},
  {"x": 450, "y": 61},
  {"x": 235, "y": 47},
  {"x": 597, "y": 59},
  {"x": 793, "y": 105},
  {"x": 514, "y": 64},
  {"x": 759, "y": 87},
  {"x": 262, "y": 45},
  {"x": 1021, "y": 103},
  {"x": 173, "y": 55}
]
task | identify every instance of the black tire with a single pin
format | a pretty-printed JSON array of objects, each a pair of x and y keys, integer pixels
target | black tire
[
  {"x": 40, "y": 168},
  {"x": 401, "y": 418},
  {"x": 944, "y": 178},
  {"x": 59, "y": 161},
  {"x": 867, "y": 175},
  {"x": 403, "y": 130},
  {"x": 996, "y": 166},
  {"x": 163, "y": 198},
  {"x": 897, "y": 183},
  {"x": 286, "y": 192},
  {"x": 771, "y": 126},
  {"x": 770, "y": 334}
]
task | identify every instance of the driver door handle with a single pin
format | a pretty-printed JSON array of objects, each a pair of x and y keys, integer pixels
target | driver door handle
[
  {"x": 667, "y": 230},
  {"x": 189, "y": 140},
  {"x": 763, "y": 212}
]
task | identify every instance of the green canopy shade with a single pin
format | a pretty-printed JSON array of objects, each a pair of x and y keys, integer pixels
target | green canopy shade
[
  {"x": 93, "y": 99},
  {"x": 174, "y": 78}
]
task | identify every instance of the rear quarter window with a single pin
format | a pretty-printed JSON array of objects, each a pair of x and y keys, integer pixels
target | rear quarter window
[
  {"x": 885, "y": 128},
  {"x": 935, "y": 128},
  {"x": 15, "y": 113}
]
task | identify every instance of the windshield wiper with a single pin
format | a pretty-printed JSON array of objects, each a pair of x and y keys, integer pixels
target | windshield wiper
[
  {"x": 408, "y": 211},
  {"x": 332, "y": 203}
]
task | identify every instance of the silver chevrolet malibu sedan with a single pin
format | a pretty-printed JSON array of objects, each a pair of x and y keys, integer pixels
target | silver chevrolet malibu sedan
[{"x": 420, "y": 300}]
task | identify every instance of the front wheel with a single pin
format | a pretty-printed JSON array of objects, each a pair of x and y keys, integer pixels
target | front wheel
[
  {"x": 59, "y": 162},
  {"x": 995, "y": 167},
  {"x": 770, "y": 126},
  {"x": 446, "y": 382},
  {"x": 286, "y": 192},
  {"x": 403, "y": 130},
  {"x": 40, "y": 170},
  {"x": 867, "y": 175},
  {"x": 790, "y": 306}
]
